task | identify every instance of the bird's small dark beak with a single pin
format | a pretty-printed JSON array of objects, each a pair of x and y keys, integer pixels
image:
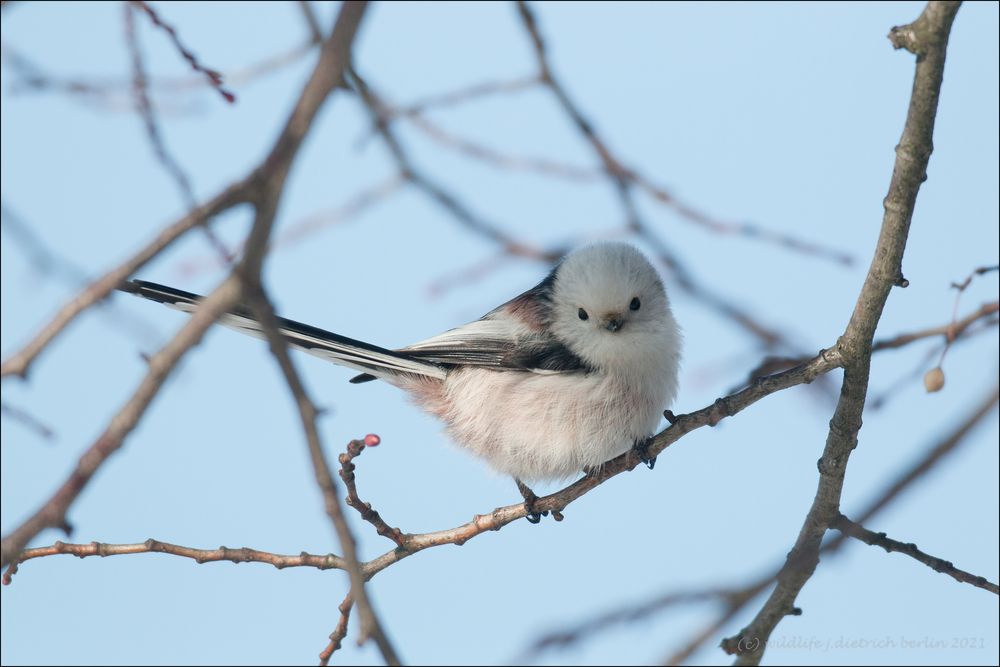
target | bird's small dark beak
[{"x": 613, "y": 322}]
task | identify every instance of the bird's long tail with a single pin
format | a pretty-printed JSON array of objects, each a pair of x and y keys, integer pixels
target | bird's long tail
[{"x": 371, "y": 360}]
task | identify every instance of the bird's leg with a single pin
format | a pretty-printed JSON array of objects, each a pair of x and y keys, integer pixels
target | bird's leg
[
  {"x": 529, "y": 502},
  {"x": 641, "y": 448}
]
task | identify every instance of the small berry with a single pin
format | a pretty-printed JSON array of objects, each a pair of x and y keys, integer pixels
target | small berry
[{"x": 934, "y": 380}]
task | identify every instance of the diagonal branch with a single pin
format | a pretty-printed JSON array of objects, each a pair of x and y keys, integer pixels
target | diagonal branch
[
  {"x": 859, "y": 532},
  {"x": 380, "y": 113},
  {"x": 213, "y": 76},
  {"x": 927, "y": 37}
]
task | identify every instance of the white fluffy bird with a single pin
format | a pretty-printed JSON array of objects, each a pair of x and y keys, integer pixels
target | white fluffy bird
[{"x": 559, "y": 379}]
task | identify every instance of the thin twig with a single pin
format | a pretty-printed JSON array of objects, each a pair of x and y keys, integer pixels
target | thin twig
[
  {"x": 562, "y": 639},
  {"x": 312, "y": 23},
  {"x": 953, "y": 330},
  {"x": 463, "y": 96},
  {"x": 499, "y": 160},
  {"x": 859, "y": 532},
  {"x": 338, "y": 634},
  {"x": 378, "y": 111},
  {"x": 27, "y": 419},
  {"x": 347, "y": 467},
  {"x": 112, "y": 93},
  {"x": 309, "y": 224},
  {"x": 214, "y": 76}
]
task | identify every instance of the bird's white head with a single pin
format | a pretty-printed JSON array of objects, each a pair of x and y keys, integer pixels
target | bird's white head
[{"x": 609, "y": 307}]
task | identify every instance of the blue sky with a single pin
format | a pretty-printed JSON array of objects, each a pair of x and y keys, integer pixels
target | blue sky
[{"x": 784, "y": 115}]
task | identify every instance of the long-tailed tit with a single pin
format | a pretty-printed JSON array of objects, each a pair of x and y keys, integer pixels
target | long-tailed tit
[{"x": 559, "y": 379}]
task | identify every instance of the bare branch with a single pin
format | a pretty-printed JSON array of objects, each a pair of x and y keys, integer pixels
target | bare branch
[
  {"x": 25, "y": 418},
  {"x": 953, "y": 331},
  {"x": 111, "y": 93},
  {"x": 495, "y": 158},
  {"x": 312, "y": 23},
  {"x": 464, "y": 95},
  {"x": 378, "y": 111},
  {"x": 711, "y": 630},
  {"x": 39, "y": 255},
  {"x": 214, "y": 76},
  {"x": 145, "y": 109},
  {"x": 743, "y": 229},
  {"x": 200, "y": 556},
  {"x": 859, "y": 532},
  {"x": 311, "y": 223},
  {"x": 950, "y": 331},
  {"x": 562, "y": 639}
]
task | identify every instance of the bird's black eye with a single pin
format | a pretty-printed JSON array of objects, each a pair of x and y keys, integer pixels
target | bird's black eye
[
  {"x": 582, "y": 314},
  {"x": 634, "y": 304}
]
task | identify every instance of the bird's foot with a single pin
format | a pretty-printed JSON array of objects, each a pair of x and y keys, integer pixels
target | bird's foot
[
  {"x": 529, "y": 502},
  {"x": 641, "y": 448}
]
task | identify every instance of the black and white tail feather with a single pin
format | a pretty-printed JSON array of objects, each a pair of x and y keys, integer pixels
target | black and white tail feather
[{"x": 372, "y": 360}]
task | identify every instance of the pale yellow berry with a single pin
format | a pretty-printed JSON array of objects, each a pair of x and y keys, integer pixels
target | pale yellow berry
[{"x": 934, "y": 380}]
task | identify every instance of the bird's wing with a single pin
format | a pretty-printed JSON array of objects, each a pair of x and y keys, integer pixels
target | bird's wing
[{"x": 498, "y": 342}]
